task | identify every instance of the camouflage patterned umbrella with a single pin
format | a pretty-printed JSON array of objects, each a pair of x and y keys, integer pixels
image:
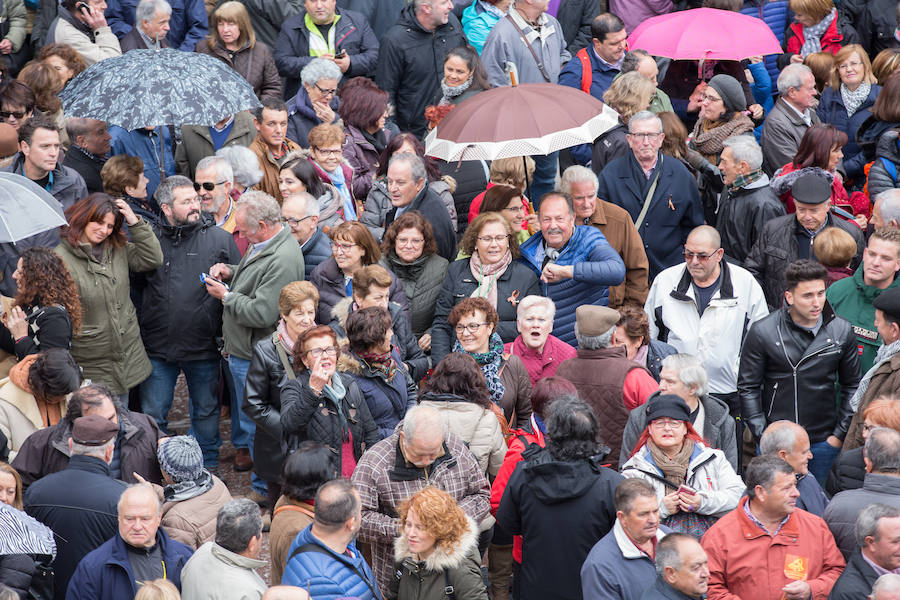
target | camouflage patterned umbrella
[{"x": 146, "y": 88}]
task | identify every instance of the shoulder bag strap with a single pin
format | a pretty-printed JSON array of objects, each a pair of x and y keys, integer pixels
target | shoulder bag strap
[
  {"x": 300, "y": 509},
  {"x": 650, "y": 192},
  {"x": 288, "y": 369},
  {"x": 540, "y": 65},
  {"x": 321, "y": 550}
]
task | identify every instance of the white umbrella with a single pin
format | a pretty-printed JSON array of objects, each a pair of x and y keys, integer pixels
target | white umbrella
[{"x": 26, "y": 208}]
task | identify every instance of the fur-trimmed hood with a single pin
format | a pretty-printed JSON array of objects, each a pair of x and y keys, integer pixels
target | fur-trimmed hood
[
  {"x": 441, "y": 559},
  {"x": 782, "y": 182},
  {"x": 341, "y": 311}
]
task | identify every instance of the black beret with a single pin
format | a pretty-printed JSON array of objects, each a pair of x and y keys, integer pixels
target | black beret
[
  {"x": 811, "y": 189},
  {"x": 888, "y": 302},
  {"x": 667, "y": 405},
  {"x": 93, "y": 430}
]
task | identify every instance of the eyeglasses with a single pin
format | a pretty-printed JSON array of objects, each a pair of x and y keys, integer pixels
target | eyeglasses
[
  {"x": 702, "y": 257},
  {"x": 666, "y": 423},
  {"x": 294, "y": 222},
  {"x": 188, "y": 201},
  {"x": 206, "y": 185},
  {"x": 414, "y": 242},
  {"x": 849, "y": 65},
  {"x": 329, "y": 151},
  {"x": 330, "y": 92},
  {"x": 710, "y": 99},
  {"x": 318, "y": 352},
  {"x": 471, "y": 327},
  {"x": 335, "y": 246},
  {"x": 518, "y": 208},
  {"x": 18, "y": 115},
  {"x": 498, "y": 239},
  {"x": 645, "y": 136}
]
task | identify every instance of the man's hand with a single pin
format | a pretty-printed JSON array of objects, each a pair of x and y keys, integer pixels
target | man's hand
[
  {"x": 215, "y": 289},
  {"x": 94, "y": 19},
  {"x": 343, "y": 62},
  {"x": 220, "y": 271},
  {"x": 5, "y": 47},
  {"x": 554, "y": 273},
  {"x": 797, "y": 590},
  {"x": 796, "y": 58},
  {"x": 425, "y": 342},
  {"x": 834, "y": 442}
]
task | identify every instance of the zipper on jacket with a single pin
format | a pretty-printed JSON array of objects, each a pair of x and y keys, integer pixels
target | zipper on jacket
[
  {"x": 795, "y": 368},
  {"x": 772, "y": 402}
]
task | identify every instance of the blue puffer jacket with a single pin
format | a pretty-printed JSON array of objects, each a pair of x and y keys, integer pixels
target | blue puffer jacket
[
  {"x": 832, "y": 110},
  {"x": 188, "y": 25},
  {"x": 106, "y": 572},
  {"x": 316, "y": 249},
  {"x": 596, "y": 266},
  {"x": 328, "y": 576},
  {"x": 777, "y": 16}
]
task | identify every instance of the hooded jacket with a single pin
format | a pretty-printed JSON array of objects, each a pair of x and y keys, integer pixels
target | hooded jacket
[
  {"x": 841, "y": 513},
  {"x": 742, "y": 214},
  {"x": 19, "y": 412},
  {"x": 561, "y": 508},
  {"x": 235, "y": 576},
  {"x": 429, "y": 204},
  {"x": 316, "y": 250},
  {"x": 193, "y": 521},
  {"x": 831, "y": 110},
  {"x": 838, "y": 35},
  {"x": 179, "y": 319},
  {"x": 253, "y": 63},
  {"x": 888, "y": 149},
  {"x": 411, "y": 65},
  {"x": 329, "y": 280},
  {"x": 873, "y": 21},
  {"x": 92, "y": 45},
  {"x": 847, "y": 472},
  {"x": 378, "y": 205}
]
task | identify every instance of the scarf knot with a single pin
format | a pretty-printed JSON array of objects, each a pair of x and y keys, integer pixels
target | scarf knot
[
  {"x": 487, "y": 276},
  {"x": 382, "y": 363},
  {"x": 450, "y": 92},
  {"x": 490, "y": 365},
  {"x": 854, "y": 99}
]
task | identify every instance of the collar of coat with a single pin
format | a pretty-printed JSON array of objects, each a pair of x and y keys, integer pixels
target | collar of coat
[
  {"x": 60, "y": 439},
  {"x": 441, "y": 558},
  {"x": 726, "y": 289},
  {"x": 790, "y": 531},
  {"x": 404, "y": 471}
]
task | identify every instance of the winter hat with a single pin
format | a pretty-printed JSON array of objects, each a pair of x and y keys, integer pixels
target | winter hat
[
  {"x": 667, "y": 405},
  {"x": 731, "y": 91},
  {"x": 181, "y": 458}
]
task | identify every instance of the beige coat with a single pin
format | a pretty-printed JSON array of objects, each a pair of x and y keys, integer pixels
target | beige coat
[
  {"x": 476, "y": 426},
  {"x": 290, "y": 519},
  {"x": 193, "y": 521},
  {"x": 19, "y": 415}
]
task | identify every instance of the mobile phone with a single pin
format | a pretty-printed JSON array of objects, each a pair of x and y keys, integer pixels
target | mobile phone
[
  {"x": 83, "y": 7},
  {"x": 207, "y": 278},
  {"x": 686, "y": 490},
  {"x": 340, "y": 53}
]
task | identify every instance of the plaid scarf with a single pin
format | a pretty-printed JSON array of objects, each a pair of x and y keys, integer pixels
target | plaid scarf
[
  {"x": 380, "y": 362},
  {"x": 742, "y": 181},
  {"x": 490, "y": 365}
]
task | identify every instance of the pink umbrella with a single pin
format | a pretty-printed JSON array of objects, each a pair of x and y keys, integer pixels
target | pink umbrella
[{"x": 705, "y": 34}]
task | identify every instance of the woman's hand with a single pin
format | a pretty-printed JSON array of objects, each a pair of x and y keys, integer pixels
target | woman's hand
[
  {"x": 755, "y": 59},
  {"x": 796, "y": 58},
  {"x": 689, "y": 502},
  {"x": 323, "y": 112},
  {"x": 320, "y": 376},
  {"x": 672, "y": 503},
  {"x": 862, "y": 221},
  {"x": 130, "y": 217},
  {"x": 425, "y": 342},
  {"x": 16, "y": 322}
]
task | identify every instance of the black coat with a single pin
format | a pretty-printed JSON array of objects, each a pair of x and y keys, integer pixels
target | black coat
[
  {"x": 786, "y": 373},
  {"x": 262, "y": 403},
  {"x": 430, "y": 206},
  {"x": 306, "y": 416},
  {"x": 874, "y": 22},
  {"x": 460, "y": 283},
  {"x": 575, "y": 17},
  {"x": 847, "y": 472},
  {"x": 87, "y": 166},
  {"x": 79, "y": 505},
  {"x": 561, "y": 509},
  {"x": 411, "y": 66},
  {"x": 742, "y": 215},
  {"x": 660, "y": 590},
  {"x": 329, "y": 280},
  {"x": 179, "y": 320},
  {"x": 471, "y": 178},
  {"x": 353, "y": 34},
  {"x": 856, "y": 581},
  {"x": 777, "y": 247},
  {"x": 611, "y": 144},
  {"x": 48, "y": 327},
  {"x": 16, "y": 571}
]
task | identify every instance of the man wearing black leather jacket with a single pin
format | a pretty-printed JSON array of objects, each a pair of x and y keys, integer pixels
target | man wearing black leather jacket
[{"x": 791, "y": 361}]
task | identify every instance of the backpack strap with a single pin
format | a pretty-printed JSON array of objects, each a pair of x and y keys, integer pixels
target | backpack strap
[
  {"x": 317, "y": 548},
  {"x": 587, "y": 74},
  {"x": 890, "y": 167}
]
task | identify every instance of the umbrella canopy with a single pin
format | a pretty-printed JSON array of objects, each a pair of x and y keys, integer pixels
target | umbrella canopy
[
  {"x": 26, "y": 208},
  {"x": 523, "y": 120},
  {"x": 22, "y": 534},
  {"x": 705, "y": 34},
  {"x": 146, "y": 88}
]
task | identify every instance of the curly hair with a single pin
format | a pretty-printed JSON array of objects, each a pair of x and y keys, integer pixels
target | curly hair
[
  {"x": 409, "y": 220},
  {"x": 468, "y": 306},
  {"x": 45, "y": 280},
  {"x": 459, "y": 374},
  {"x": 6, "y": 468},
  {"x": 68, "y": 54},
  {"x": 45, "y": 82},
  {"x": 439, "y": 513},
  {"x": 470, "y": 237},
  {"x": 367, "y": 328}
]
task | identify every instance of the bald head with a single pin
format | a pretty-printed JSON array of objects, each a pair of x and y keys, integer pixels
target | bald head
[
  {"x": 139, "y": 515},
  {"x": 788, "y": 441},
  {"x": 422, "y": 437},
  {"x": 285, "y": 592},
  {"x": 707, "y": 236}
]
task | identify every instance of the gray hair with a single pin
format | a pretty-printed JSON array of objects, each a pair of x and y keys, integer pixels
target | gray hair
[
  {"x": 318, "y": 69},
  {"x": 633, "y": 59},
  {"x": 883, "y": 450},
  {"x": 792, "y": 76},
  {"x": 224, "y": 172},
  {"x": 95, "y": 451},
  {"x": 890, "y": 204},
  {"x": 667, "y": 553},
  {"x": 260, "y": 207},
  {"x": 889, "y": 582},
  {"x": 529, "y": 302},
  {"x": 422, "y": 416},
  {"x": 416, "y": 166},
  {"x": 237, "y": 523},
  {"x": 744, "y": 148},
  {"x": 335, "y": 504},
  {"x": 77, "y": 126},
  {"x": 244, "y": 164},
  {"x": 645, "y": 115},
  {"x": 577, "y": 174},
  {"x": 147, "y": 9},
  {"x": 165, "y": 191},
  {"x": 594, "y": 342},
  {"x": 309, "y": 202},
  {"x": 690, "y": 371},
  {"x": 135, "y": 488},
  {"x": 778, "y": 436},
  {"x": 868, "y": 518}
]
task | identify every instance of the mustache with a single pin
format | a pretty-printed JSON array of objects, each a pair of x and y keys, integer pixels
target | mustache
[{"x": 555, "y": 230}]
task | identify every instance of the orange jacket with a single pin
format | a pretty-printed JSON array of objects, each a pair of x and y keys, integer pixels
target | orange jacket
[{"x": 746, "y": 562}]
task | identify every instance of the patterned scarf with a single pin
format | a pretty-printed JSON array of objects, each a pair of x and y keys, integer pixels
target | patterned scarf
[
  {"x": 380, "y": 362},
  {"x": 812, "y": 36},
  {"x": 853, "y": 100},
  {"x": 674, "y": 469},
  {"x": 883, "y": 355},
  {"x": 453, "y": 92},
  {"x": 708, "y": 138},
  {"x": 490, "y": 365},
  {"x": 742, "y": 181},
  {"x": 487, "y": 276}
]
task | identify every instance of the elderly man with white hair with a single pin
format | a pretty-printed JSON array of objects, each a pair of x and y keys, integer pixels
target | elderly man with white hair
[
  {"x": 541, "y": 353},
  {"x": 887, "y": 587},
  {"x": 793, "y": 113},
  {"x": 214, "y": 184},
  {"x": 300, "y": 212},
  {"x": 151, "y": 19},
  {"x": 683, "y": 375},
  {"x": 886, "y": 212},
  {"x": 614, "y": 222}
]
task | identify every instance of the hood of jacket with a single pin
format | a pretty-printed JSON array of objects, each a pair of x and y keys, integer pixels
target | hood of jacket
[
  {"x": 889, "y": 146},
  {"x": 441, "y": 558},
  {"x": 553, "y": 481},
  {"x": 782, "y": 182},
  {"x": 870, "y": 132}
]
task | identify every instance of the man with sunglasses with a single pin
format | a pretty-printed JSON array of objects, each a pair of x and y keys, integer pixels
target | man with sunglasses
[
  {"x": 704, "y": 308},
  {"x": 300, "y": 213}
]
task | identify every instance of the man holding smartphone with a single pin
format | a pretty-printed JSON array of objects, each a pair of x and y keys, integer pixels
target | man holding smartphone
[{"x": 82, "y": 25}]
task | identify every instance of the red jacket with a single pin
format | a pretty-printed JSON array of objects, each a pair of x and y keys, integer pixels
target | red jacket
[
  {"x": 747, "y": 563},
  {"x": 475, "y": 207},
  {"x": 541, "y": 365},
  {"x": 831, "y": 41},
  {"x": 857, "y": 203}
]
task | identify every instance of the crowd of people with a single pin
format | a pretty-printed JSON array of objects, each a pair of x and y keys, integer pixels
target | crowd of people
[{"x": 661, "y": 365}]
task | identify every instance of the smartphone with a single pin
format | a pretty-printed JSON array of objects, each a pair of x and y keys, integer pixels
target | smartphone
[
  {"x": 83, "y": 7},
  {"x": 207, "y": 278},
  {"x": 686, "y": 490},
  {"x": 340, "y": 53}
]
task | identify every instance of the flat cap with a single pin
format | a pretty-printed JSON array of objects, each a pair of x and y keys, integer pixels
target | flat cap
[
  {"x": 93, "y": 430},
  {"x": 595, "y": 320},
  {"x": 811, "y": 189},
  {"x": 888, "y": 302},
  {"x": 667, "y": 405}
]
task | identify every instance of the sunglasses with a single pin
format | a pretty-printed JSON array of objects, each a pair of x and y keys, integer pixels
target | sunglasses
[
  {"x": 4, "y": 114},
  {"x": 206, "y": 185}
]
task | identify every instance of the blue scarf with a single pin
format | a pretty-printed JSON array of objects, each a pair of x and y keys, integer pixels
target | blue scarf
[
  {"x": 339, "y": 182},
  {"x": 490, "y": 365}
]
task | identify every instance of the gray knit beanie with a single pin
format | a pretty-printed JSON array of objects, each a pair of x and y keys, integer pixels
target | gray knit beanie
[
  {"x": 180, "y": 456},
  {"x": 731, "y": 91}
]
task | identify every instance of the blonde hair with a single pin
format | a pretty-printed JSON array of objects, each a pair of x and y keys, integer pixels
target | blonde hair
[
  {"x": 158, "y": 589},
  {"x": 231, "y": 12},
  {"x": 814, "y": 9},
  {"x": 834, "y": 247},
  {"x": 629, "y": 94},
  {"x": 294, "y": 294},
  {"x": 511, "y": 171},
  {"x": 822, "y": 66},
  {"x": 6, "y": 468},
  {"x": 843, "y": 55},
  {"x": 886, "y": 64}
]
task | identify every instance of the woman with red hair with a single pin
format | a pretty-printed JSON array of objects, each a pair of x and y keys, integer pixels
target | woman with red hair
[
  {"x": 364, "y": 109},
  {"x": 695, "y": 484}
]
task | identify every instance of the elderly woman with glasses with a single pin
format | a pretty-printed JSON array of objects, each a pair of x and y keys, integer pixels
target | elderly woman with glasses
[
  {"x": 352, "y": 247},
  {"x": 316, "y": 103},
  {"x": 491, "y": 272},
  {"x": 324, "y": 405},
  {"x": 326, "y": 155},
  {"x": 540, "y": 352}
]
